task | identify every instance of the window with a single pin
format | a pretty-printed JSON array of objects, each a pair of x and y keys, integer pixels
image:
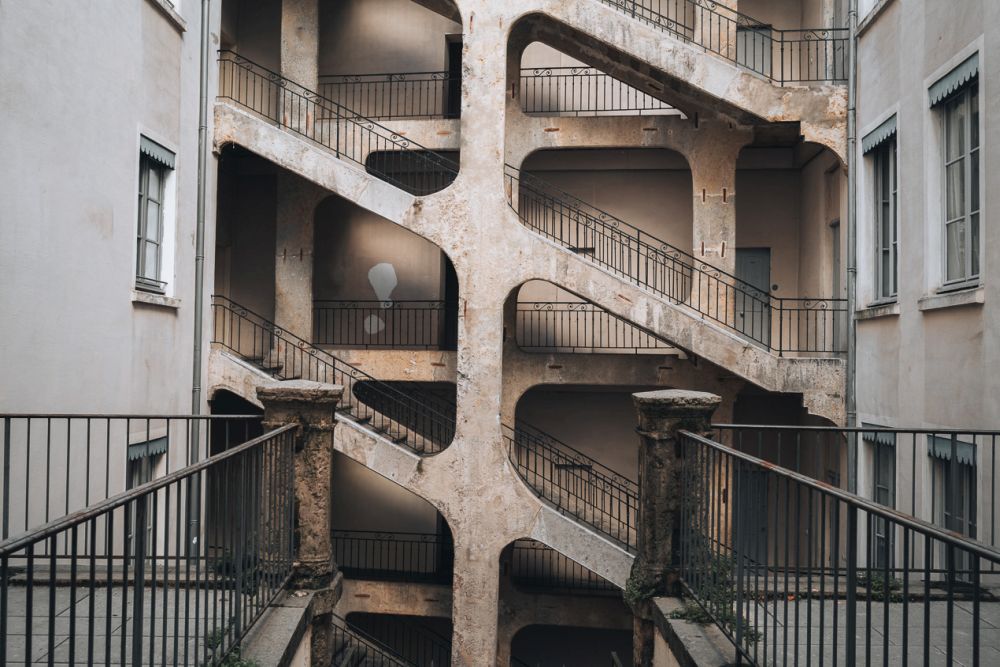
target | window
[
  {"x": 955, "y": 96},
  {"x": 886, "y": 221},
  {"x": 143, "y": 460},
  {"x": 883, "y": 448},
  {"x": 953, "y": 480},
  {"x": 155, "y": 165},
  {"x": 961, "y": 175}
]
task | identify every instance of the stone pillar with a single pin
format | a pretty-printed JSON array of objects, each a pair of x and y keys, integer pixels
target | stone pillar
[
  {"x": 713, "y": 157},
  {"x": 300, "y": 60},
  {"x": 300, "y": 42},
  {"x": 312, "y": 406},
  {"x": 293, "y": 266},
  {"x": 662, "y": 414},
  {"x": 476, "y": 595}
]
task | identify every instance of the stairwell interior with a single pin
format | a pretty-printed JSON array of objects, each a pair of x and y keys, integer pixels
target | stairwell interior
[{"x": 489, "y": 294}]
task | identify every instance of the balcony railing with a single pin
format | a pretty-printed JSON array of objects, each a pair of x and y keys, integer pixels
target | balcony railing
[
  {"x": 417, "y": 419},
  {"x": 134, "y": 579},
  {"x": 799, "y": 325},
  {"x": 396, "y": 96},
  {"x": 408, "y": 637},
  {"x": 575, "y": 483},
  {"x": 544, "y": 91},
  {"x": 941, "y": 476},
  {"x": 783, "y": 56},
  {"x": 792, "y": 570},
  {"x": 580, "y": 326},
  {"x": 422, "y": 325},
  {"x": 344, "y": 131},
  {"x": 52, "y": 465},
  {"x": 394, "y": 556},
  {"x": 535, "y": 566},
  {"x": 583, "y": 91}
]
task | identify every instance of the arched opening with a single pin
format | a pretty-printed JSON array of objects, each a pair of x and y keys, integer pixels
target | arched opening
[{"x": 377, "y": 285}]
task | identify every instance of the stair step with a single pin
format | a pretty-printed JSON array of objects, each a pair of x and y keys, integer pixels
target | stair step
[{"x": 583, "y": 250}]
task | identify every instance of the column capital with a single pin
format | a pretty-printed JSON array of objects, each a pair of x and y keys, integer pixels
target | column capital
[
  {"x": 664, "y": 412},
  {"x": 312, "y": 405}
]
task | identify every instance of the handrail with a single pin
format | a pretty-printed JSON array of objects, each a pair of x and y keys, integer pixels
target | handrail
[
  {"x": 426, "y": 426},
  {"x": 625, "y": 250},
  {"x": 803, "y": 54},
  {"x": 349, "y": 134},
  {"x": 906, "y": 520}
]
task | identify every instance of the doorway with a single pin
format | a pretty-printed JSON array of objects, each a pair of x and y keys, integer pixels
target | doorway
[{"x": 752, "y": 301}]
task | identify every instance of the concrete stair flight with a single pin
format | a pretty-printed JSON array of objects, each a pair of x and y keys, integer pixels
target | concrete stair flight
[{"x": 419, "y": 421}]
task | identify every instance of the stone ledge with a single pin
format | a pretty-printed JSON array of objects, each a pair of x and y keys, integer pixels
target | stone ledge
[
  {"x": 691, "y": 644},
  {"x": 975, "y": 296},
  {"x": 167, "y": 9},
  {"x": 151, "y": 299},
  {"x": 274, "y": 639},
  {"x": 876, "y": 310}
]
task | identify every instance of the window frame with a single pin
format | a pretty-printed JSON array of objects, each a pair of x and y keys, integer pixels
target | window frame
[
  {"x": 968, "y": 278},
  {"x": 143, "y": 280},
  {"x": 886, "y": 152}
]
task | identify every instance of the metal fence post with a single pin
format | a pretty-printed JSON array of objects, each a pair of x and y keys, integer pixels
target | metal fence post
[{"x": 852, "y": 585}]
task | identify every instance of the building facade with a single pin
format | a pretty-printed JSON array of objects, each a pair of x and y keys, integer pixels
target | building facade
[{"x": 492, "y": 224}]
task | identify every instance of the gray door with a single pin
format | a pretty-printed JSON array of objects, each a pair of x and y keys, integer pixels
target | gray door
[{"x": 753, "y": 310}]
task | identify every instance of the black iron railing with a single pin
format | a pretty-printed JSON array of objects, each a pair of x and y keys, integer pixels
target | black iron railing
[
  {"x": 384, "y": 324},
  {"x": 351, "y": 136},
  {"x": 941, "y": 476},
  {"x": 782, "y": 325},
  {"x": 398, "y": 95},
  {"x": 580, "y": 326},
  {"x": 408, "y": 637},
  {"x": 139, "y": 579},
  {"x": 52, "y": 465},
  {"x": 789, "y": 570},
  {"x": 351, "y": 646},
  {"x": 416, "y": 419},
  {"x": 395, "y": 556},
  {"x": 575, "y": 484},
  {"x": 534, "y": 565},
  {"x": 784, "y": 56},
  {"x": 582, "y": 91}
]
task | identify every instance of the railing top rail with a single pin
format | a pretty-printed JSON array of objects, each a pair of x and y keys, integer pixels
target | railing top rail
[
  {"x": 553, "y": 443},
  {"x": 656, "y": 244},
  {"x": 444, "y": 73},
  {"x": 137, "y": 417},
  {"x": 389, "y": 302},
  {"x": 388, "y": 532},
  {"x": 860, "y": 429},
  {"x": 314, "y": 352},
  {"x": 348, "y": 114},
  {"x": 17, "y": 543},
  {"x": 905, "y": 520}
]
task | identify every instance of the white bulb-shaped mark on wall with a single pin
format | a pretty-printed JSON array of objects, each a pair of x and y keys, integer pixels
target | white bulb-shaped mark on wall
[{"x": 382, "y": 278}]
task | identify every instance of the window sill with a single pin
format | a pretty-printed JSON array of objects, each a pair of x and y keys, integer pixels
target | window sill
[
  {"x": 876, "y": 310},
  {"x": 973, "y": 296},
  {"x": 159, "y": 300},
  {"x": 171, "y": 14}
]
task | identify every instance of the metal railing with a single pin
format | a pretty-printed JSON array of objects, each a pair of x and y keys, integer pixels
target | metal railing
[
  {"x": 534, "y": 565},
  {"x": 408, "y": 637},
  {"x": 941, "y": 476},
  {"x": 351, "y": 646},
  {"x": 789, "y": 571},
  {"x": 52, "y": 465},
  {"x": 397, "y": 95},
  {"x": 575, "y": 484},
  {"x": 140, "y": 582},
  {"x": 351, "y": 136},
  {"x": 416, "y": 419},
  {"x": 783, "y": 56},
  {"x": 394, "y": 556},
  {"x": 384, "y": 324},
  {"x": 782, "y": 325},
  {"x": 583, "y": 91},
  {"x": 580, "y": 326}
]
